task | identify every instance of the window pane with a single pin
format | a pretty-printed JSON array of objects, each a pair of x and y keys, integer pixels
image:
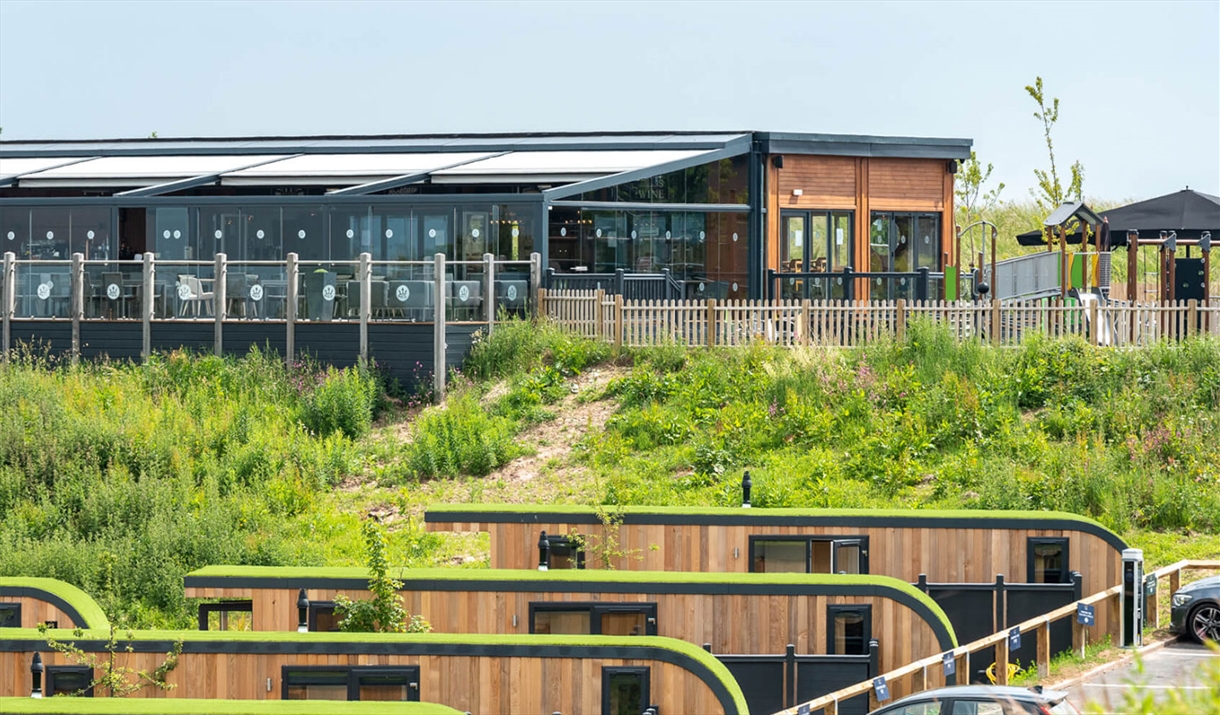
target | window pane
[
  {"x": 840, "y": 247},
  {"x": 902, "y": 244},
  {"x": 237, "y": 620},
  {"x": 848, "y": 558},
  {"x": 68, "y": 681},
  {"x": 926, "y": 232},
  {"x": 849, "y": 633},
  {"x": 780, "y": 556},
  {"x": 566, "y": 622},
  {"x": 325, "y": 619},
  {"x": 10, "y": 615},
  {"x": 317, "y": 692},
  {"x": 316, "y": 684},
  {"x": 792, "y": 250},
  {"x": 879, "y": 244},
  {"x": 15, "y": 231},
  {"x": 1048, "y": 563},
  {"x": 626, "y": 693},
  {"x": 819, "y": 552},
  {"x": 819, "y": 235},
  {"x": 382, "y": 686},
  {"x": 977, "y": 707},
  {"x": 565, "y": 555},
  {"x": 623, "y": 624}
]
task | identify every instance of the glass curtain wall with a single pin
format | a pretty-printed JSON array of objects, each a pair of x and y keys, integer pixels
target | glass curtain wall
[{"x": 902, "y": 243}]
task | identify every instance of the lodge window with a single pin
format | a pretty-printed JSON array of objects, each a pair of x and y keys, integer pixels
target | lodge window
[
  {"x": 322, "y": 617},
  {"x": 226, "y": 616},
  {"x": 10, "y": 615},
  {"x": 809, "y": 554},
  {"x": 564, "y": 553},
  {"x": 849, "y": 629},
  {"x": 69, "y": 680},
  {"x": 605, "y": 619},
  {"x": 354, "y": 683},
  {"x": 625, "y": 691},
  {"x": 1048, "y": 560}
]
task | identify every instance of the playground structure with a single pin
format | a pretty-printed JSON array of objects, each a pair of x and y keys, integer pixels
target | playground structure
[{"x": 1177, "y": 277}]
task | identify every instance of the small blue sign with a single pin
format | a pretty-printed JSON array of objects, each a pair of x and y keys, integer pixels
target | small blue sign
[
  {"x": 883, "y": 690},
  {"x": 803, "y": 709},
  {"x": 1014, "y": 639},
  {"x": 1150, "y": 586},
  {"x": 1085, "y": 614},
  {"x": 949, "y": 663}
]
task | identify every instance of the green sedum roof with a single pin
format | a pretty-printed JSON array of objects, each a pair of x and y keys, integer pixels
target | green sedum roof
[
  {"x": 186, "y": 706},
  {"x": 90, "y": 612}
]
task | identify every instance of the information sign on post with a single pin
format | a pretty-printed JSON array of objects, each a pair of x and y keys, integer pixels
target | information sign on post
[
  {"x": 883, "y": 690},
  {"x": 949, "y": 663},
  {"x": 1085, "y": 614},
  {"x": 1014, "y": 639}
]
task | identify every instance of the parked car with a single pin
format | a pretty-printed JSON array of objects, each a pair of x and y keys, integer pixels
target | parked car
[
  {"x": 1196, "y": 610},
  {"x": 982, "y": 700}
]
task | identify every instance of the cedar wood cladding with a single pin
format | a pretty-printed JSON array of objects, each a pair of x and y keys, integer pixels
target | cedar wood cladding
[
  {"x": 477, "y": 679},
  {"x": 761, "y": 623},
  {"x": 40, "y": 607}
]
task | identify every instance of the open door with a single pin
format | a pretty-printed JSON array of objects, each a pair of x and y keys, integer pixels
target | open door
[{"x": 849, "y": 556}]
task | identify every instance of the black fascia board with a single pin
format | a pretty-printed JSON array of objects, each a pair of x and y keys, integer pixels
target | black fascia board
[{"x": 857, "y": 145}]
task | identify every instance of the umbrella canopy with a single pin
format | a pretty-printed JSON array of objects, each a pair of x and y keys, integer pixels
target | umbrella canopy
[{"x": 1187, "y": 211}]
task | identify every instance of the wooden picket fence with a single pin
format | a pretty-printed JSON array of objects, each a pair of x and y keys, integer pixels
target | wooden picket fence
[{"x": 790, "y": 323}]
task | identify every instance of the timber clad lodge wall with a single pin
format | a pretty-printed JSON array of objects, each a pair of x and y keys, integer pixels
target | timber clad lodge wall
[{"x": 290, "y": 242}]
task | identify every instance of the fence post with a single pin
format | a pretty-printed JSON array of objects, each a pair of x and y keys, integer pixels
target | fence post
[
  {"x": 536, "y": 278},
  {"x": 540, "y": 304},
  {"x": 439, "y": 368},
  {"x": 77, "y": 285},
  {"x": 290, "y": 310},
  {"x": 711, "y": 323},
  {"x": 220, "y": 302},
  {"x": 366, "y": 307},
  {"x": 618, "y": 320},
  {"x": 1001, "y": 662},
  {"x": 7, "y": 300},
  {"x": 1192, "y": 316},
  {"x": 599, "y": 314},
  {"x": 1094, "y": 328},
  {"x": 489, "y": 289},
  {"x": 901, "y": 312},
  {"x": 1043, "y": 659},
  {"x": 995, "y": 320},
  {"x": 150, "y": 304}
]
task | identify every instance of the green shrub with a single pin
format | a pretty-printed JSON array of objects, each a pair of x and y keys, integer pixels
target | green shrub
[
  {"x": 342, "y": 401},
  {"x": 460, "y": 438}
]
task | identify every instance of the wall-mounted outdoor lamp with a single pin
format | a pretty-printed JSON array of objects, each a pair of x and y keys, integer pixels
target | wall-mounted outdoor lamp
[
  {"x": 302, "y": 612},
  {"x": 544, "y": 552},
  {"x": 36, "y": 673},
  {"x": 746, "y": 484}
]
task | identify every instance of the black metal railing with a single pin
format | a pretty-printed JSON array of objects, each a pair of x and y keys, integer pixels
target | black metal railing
[
  {"x": 632, "y": 286},
  {"x": 920, "y": 284},
  {"x": 773, "y": 682}
]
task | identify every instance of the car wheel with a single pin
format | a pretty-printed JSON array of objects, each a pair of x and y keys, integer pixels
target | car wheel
[{"x": 1205, "y": 622}]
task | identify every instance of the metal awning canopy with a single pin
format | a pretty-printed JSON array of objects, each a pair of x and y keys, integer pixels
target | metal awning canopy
[{"x": 1069, "y": 210}]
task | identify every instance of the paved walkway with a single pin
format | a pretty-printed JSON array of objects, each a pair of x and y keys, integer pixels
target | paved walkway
[{"x": 1174, "y": 666}]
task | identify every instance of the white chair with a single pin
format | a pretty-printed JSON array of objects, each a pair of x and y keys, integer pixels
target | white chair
[{"x": 191, "y": 295}]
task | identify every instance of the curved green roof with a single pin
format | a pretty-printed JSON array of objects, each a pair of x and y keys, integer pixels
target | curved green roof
[
  {"x": 189, "y": 706},
  {"x": 78, "y": 605}
]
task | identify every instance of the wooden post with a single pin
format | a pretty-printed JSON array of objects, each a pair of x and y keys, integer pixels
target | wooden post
[
  {"x": 489, "y": 289},
  {"x": 1001, "y": 662},
  {"x": 290, "y": 310},
  {"x": 1154, "y": 606},
  {"x": 831, "y": 708},
  {"x": 1133, "y": 249},
  {"x": 711, "y": 322},
  {"x": 919, "y": 680},
  {"x": 901, "y": 319},
  {"x": 366, "y": 308},
  {"x": 1175, "y": 580},
  {"x": 1043, "y": 659},
  {"x": 540, "y": 304},
  {"x": 804, "y": 334},
  {"x": 1065, "y": 276},
  {"x": 536, "y": 279},
  {"x": 1094, "y": 328},
  {"x": 77, "y": 286},
  {"x": 220, "y": 303},
  {"x": 995, "y": 321},
  {"x": 8, "y": 284},
  {"x": 618, "y": 320},
  {"x": 599, "y": 314},
  {"x": 1192, "y": 316},
  {"x": 439, "y": 368},
  {"x": 150, "y": 304}
]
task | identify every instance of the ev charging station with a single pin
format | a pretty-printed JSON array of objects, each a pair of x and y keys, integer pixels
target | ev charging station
[{"x": 1133, "y": 598}]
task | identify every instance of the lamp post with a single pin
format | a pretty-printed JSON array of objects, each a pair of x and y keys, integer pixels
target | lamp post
[
  {"x": 302, "y": 612},
  {"x": 544, "y": 552},
  {"x": 36, "y": 669}
]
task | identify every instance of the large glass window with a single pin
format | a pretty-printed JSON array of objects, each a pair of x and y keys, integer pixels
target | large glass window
[
  {"x": 781, "y": 556},
  {"x": 322, "y": 617},
  {"x": 351, "y": 683},
  {"x": 10, "y": 615},
  {"x": 809, "y": 554},
  {"x": 69, "y": 681},
  {"x": 625, "y": 691},
  {"x": 612, "y": 619},
  {"x": 720, "y": 182},
  {"x": 850, "y": 628},
  {"x": 902, "y": 243},
  {"x": 226, "y": 616},
  {"x": 1048, "y": 560}
]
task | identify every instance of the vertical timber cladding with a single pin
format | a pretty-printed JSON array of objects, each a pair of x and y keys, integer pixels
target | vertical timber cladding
[{"x": 501, "y": 677}]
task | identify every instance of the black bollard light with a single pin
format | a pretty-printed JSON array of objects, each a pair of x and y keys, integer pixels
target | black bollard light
[
  {"x": 36, "y": 673},
  {"x": 302, "y": 612},
  {"x": 544, "y": 552},
  {"x": 746, "y": 485}
]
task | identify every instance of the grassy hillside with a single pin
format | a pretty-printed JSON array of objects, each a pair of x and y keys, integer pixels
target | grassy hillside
[{"x": 122, "y": 478}]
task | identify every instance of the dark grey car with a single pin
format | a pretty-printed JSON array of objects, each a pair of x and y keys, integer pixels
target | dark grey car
[
  {"x": 1196, "y": 610},
  {"x": 981, "y": 700}
]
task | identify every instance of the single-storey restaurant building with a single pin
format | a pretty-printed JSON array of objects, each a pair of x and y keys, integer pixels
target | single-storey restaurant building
[{"x": 714, "y": 210}]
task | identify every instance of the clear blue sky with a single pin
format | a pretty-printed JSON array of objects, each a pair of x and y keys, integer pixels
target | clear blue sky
[{"x": 1139, "y": 81}]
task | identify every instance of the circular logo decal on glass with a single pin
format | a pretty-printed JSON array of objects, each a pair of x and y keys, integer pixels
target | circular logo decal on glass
[
  {"x": 512, "y": 292},
  {"x": 927, "y": 239},
  {"x": 89, "y": 235},
  {"x": 668, "y": 235},
  {"x": 734, "y": 239},
  {"x": 259, "y": 233},
  {"x": 902, "y": 281},
  {"x": 50, "y": 235},
  {"x": 700, "y": 287},
  {"x": 474, "y": 233},
  {"x": 463, "y": 294},
  {"x": 702, "y": 235},
  {"x": 599, "y": 233},
  {"x": 328, "y": 293},
  {"x": 516, "y": 232},
  {"x": 633, "y": 234},
  {"x": 389, "y": 233},
  {"x": 219, "y": 234},
  {"x": 432, "y": 233},
  {"x": 878, "y": 281},
  {"x": 301, "y": 233},
  {"x": 563, "y": 231},
  {"x": 44, "y": 291},
  {"x": 165, "y": 233},
  {"x": 11, "y": 235},
  {"x": 839, "y": 280},
  {"x": 113, "y": 291},
  {"x": 734, "y": 285},
  {"x": 184, "y": 291},
  {"x": 177, "y": 234},
  {"x": 791, "y": 281},
  {"x": 351, "y": 233},
  {"x": 403, "y": 293},
  {"x": 256, "y": 292}
]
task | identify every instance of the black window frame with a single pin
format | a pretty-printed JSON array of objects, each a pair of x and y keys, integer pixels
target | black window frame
[
  {"x": 810, "y": 538},
  {"x": 206, "y": 609},
  {"x": 833, "y": 610},
  {"x": 53, "y": 670},
  {"x": 353, "y": 674},
  {"x": 596, "y": 610},
  {"x": 314, "y": 608},
  {"x": 1065, "y": 570},
  {"x": 564, "y": 542},
  {"x": 645, "y": 674},
  {"x": 16, "y": 608}
]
